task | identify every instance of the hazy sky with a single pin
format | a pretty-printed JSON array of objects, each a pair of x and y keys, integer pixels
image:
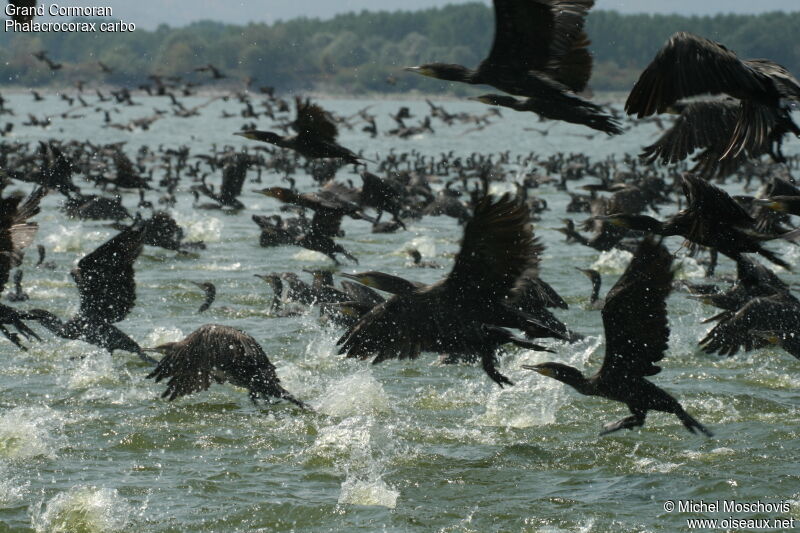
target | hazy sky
[{"x": 149, "y": 13}]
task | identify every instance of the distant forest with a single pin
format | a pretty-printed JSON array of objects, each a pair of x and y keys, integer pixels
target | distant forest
[{"x": 356, "y": 53}]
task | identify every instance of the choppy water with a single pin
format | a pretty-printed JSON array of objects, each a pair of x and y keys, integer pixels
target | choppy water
[{"x": 87, "y": 445}]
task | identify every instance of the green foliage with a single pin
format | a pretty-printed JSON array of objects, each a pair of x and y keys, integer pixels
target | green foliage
[{"x": 357, "y": 52}]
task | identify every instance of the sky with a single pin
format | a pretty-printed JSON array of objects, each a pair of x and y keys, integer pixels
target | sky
[{"x": 147, "y": 14}]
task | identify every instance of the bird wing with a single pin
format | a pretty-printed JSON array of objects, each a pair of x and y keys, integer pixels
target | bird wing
[
  {"x": 497, "y": 249},
  {"x": 635, "y": 314},
  {"x": 756, "y": 124},
  {"x": 706, "y": 124},
  {"x": 689, "y": 65},
  {"x": 711, "y": 201},
  {"x": 233, "y": 177},
  {"x": 105, "y": 277},
  {"x": 15, "y": 232},
  {"x": 787, "y": 85},
  {"x": 543, "y": 35},
  {"x": 734, "y": 331},
  {"x": 214, "y": 352},
  {"x": 314, "y": 121},
  {"x": 397, "y": 328},
  {"x": 361, "y": 294}
]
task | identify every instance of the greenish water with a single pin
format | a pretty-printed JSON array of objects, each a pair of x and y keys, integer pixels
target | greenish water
[{"x": 87, "y": 444}]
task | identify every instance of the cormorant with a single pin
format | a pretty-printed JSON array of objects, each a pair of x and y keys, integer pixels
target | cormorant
[
  {"x": 219, "y": 353},
  {"x": 16, "y": 233},
  {"x": 712, "y": 219},
  {"x": 689, "y": 65},
  {"x": 105, "y": 280},
  {"x": 459, "y": 314},
  {"x": 637, "y": 333},
  {"x": 210, "y": 291},
  {"x": 539, "y": 51},
  {"x": 315, "y": 138}
]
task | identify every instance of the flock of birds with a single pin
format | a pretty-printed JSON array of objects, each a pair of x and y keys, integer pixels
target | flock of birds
[{"x": 540, "y": 53}]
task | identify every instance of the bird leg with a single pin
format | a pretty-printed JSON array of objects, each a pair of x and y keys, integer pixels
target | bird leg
[{"x": 629, "y": 422}]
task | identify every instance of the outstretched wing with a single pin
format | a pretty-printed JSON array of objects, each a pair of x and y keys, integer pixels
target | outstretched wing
[
  {"x": 689, "y": 65},
  {"x": 105, "y": 277},
  {"x": 314, "y": 121},
  {"x": 543, "y": 35},
  {"x": 709, "y": 200},
  {"x": 701, "y": 125},
  {"x": 214, "y": 352},
  {"x": 15, "y": 232},
  {"x": 735, "y": 331},
  {"x": 497, "y": 249},
  {"x": 635, "y": 314}
]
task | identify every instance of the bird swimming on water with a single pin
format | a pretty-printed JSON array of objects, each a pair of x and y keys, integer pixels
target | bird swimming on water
[
  {"x": 637, "y": 333},
  {"x": 222, "y": 354}
]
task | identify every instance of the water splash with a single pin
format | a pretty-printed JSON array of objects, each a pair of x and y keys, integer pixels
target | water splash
[
  {"x": 26, "y": 432},
  {"x": 612, "y": 262},
  {"x": 375, "y": 491},
  {"x": 359, "y": 394},
  {"x": 82, "y": 510},
  {"x": 12, "y": 490}
]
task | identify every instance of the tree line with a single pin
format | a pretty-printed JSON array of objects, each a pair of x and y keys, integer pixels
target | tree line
[{"x": 366, "y": 51}]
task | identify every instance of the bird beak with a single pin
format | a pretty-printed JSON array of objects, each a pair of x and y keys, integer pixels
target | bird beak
[
  {"x": 424, "y": 71},
  {"x": 151, "y": 350},
  {"x": 768, "y": 336},
  {"x": 246, "y": 134},
  {"x": 266, "y": 192},
  {"x": 614, "y": 221},
  {"x": 545, "y": 371},
  {"x": 771, "y": 204},
  {"x": 355, "y": 277},
  {"x": 482, "y": 99},
  {"x": 700, "y": 298}
]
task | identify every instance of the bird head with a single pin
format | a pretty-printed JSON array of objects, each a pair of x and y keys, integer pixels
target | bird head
[
  {"x": 279, "y": 193},
  {"x": 634, "y": 222},
  {"x": 163, "y": 349},
  {"x": 441, "y": 71},
  {"x": 772, "y": 203},
  {"x": 772, "y": 337},
  {"x": 564, "y": 373},
  {"x": 589, "y": 272}
]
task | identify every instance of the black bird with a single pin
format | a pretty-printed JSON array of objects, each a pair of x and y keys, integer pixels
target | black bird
[
  {"x": 233, "y": 175},
  {"x": 689, "y": 65},
  {"x": 215, "y": 72},
  {"x": 712, "y": 219},
  {"x": 219, "y": 353},
  {"x": 575, "y": 111},
  {"x": 18, "y": 295},
  {"x": 16, "y": 233},
  {"x": 315, "y": 138},
  {"x": 539, "y": 51},
  {"x": 41, "y": 263},
  {"x": 210, "y": 291},
  {"x": 105, "y": 280},
  {"x": 637, "y": 333},
  {"x": 459, "y": 314},
  {"x": 595, "y": 302},
  {"x": 417, "y": 262},
  {"x": 709, "y": 127}
]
